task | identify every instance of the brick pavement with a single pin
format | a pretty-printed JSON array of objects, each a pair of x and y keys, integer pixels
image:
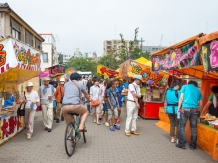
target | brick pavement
[{"x": 151, "y": 146}]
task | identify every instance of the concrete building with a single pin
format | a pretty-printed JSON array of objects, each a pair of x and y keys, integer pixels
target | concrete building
[
  {"x": 50, "y": 54},
  {"x": 114, "y": 45},
  {"x": 151, "y": 49},
  {"x": 11, "y": 24}
]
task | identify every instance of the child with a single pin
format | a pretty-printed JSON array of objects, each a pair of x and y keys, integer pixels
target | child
[{"x": 112, "y": 106}]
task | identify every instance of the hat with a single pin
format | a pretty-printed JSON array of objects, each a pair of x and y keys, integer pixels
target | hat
[
  {"x": 46, "y": 79},
  {"x": 29, "y": 84},
  {"x": 139, "y": 77},
  {"x": 75, "y": 76},
  {"x": 62, "y": 80},
  {"x": 51, "y": 76}
]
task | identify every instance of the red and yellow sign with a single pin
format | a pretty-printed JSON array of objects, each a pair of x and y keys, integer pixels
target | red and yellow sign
[
  {"x": 2, "y": 55},
  {"x": 102, "y": 70}
]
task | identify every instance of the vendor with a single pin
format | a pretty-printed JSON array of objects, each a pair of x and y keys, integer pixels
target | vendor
[
  {"x": 211, "y": 106},
  {"x": 10, "y": 101}
]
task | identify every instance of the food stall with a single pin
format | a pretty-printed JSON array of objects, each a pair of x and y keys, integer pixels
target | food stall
[
  {"x": 18, "y": 63},
  {"x": 196, "y": 57},
  {"x": 154, "y": 85}
]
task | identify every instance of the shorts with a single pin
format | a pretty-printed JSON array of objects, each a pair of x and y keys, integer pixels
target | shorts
[{"x": 110, "y": 112}]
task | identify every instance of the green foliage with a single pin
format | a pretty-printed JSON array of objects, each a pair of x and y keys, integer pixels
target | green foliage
[{"x": 82, "y": 64}]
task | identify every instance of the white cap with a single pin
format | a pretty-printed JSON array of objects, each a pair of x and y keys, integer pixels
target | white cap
[
  {"x": 139, "y": 77},
  {"x": 62, "y": 80},
  {"x": 29, "y": 84},
  {"x": 46, "y": 79}
]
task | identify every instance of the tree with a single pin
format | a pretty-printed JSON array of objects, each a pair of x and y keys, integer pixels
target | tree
[
  {"x": 110, "y": 61},
  {"x": 82, "y": 64}
]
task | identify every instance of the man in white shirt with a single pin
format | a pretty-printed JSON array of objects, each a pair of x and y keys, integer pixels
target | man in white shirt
[{"x": 133, "y": 105}]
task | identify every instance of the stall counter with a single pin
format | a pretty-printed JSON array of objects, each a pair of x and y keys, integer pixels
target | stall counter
[
  {"x": 10, "y": 125},
  {"x": 207, "y": 137}
]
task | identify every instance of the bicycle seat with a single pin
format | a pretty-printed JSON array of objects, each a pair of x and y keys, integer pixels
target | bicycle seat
[{"x": 72, "y": 113}]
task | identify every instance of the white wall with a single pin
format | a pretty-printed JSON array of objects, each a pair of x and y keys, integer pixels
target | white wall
[{"x": 47, "y": 48}]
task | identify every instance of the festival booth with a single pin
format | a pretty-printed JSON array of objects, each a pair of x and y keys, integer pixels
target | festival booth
[
  {"x": 18, "y": 63},
  {"x": 153, "y": 85},
  {"x": 198, "y": 58}
]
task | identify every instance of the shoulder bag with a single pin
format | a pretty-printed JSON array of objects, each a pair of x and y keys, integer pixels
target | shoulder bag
[
  {"x": 61, "y": 95},
  {"x": 96, "y": 102},
  {"x": 21, "y": 109}
]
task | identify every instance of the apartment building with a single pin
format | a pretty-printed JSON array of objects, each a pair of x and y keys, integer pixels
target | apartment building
[
  {"x": 50, "y": 54},
  {"x": 115, "y": 45},
  {"x": 11, "y": 24}
]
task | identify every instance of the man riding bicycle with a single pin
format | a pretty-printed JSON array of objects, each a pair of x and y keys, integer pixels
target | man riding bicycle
[{"x": 73, "y": 90}]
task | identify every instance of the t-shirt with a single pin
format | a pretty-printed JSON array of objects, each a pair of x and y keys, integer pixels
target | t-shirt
[
  {"x": 112, "y": 95},
  {"x": 133, "y": 88},
  {"x": 172, "y": 99},
  {"x": 192, "y": 96},
  {"x": 44, "y": 92},
  {"x": 71, "y": 93},
  {"x": 31, "y": 97},
  {"x": 89, "y": 84},
  {"x": 54, "y": 83},
  {"x": 211, "y": 98},
  {"x": 95, "y": 92}
]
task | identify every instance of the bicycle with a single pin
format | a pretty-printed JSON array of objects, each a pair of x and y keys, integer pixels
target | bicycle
[{"x": 72, "y": 134}]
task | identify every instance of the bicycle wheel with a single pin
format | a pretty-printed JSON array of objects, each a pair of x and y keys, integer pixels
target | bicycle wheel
[
  {"x": 84, "y": 137},
  {"x": 69, "y": 139}
]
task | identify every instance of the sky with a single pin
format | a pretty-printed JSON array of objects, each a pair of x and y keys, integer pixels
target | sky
[{"x": 85, "y": 24}]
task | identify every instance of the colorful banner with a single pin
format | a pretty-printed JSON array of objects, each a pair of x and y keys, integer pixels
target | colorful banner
[
  {"x": 69, "y": 71},
  {"x": 184, "y": 57},
  {"x": 56, "y": 69},
  {"x": 209, "y": 56},
  {"x": 102, "y": 70},
  {"x": 131, "y": 68},
  {"x": 16, "y": 54}
]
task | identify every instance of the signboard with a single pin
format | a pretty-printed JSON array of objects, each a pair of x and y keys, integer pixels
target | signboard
[
  {"x": 131, "y": 68},
  {"x": 56, "y": 69},
  {"x": 209, "y": 56},
  {"x": 183, "y": 57},
  {"x": 69, "y": 71},
  {"x": 16, "y": 54},
  {"x": 9, "y": 126},
  {"x": 102, "y": 70}
]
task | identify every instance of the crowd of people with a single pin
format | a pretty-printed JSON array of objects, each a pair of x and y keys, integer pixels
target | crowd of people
[{"x": 102, "y": 99}]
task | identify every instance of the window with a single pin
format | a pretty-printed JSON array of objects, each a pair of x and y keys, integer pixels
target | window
[
  {"x": 45, "y": 57},
  {"x": 15, "y": 29},
  {"x": 15, "y": 34},
  {"x": 29, "y": 38}
]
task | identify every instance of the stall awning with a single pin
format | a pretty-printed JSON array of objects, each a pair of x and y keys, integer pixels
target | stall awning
[{"x": 208, "y": 37}]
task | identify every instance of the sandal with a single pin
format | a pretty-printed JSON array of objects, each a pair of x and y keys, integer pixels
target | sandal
[
  {"x": 98, "y": 123},
  {"x": 83, "y": 130}
]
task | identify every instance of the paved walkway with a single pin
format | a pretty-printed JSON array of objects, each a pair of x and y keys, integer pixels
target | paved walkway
[{"x": 103, "y": 146}]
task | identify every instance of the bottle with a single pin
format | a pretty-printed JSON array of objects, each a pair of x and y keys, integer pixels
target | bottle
[{"x": 178, "y": 115}]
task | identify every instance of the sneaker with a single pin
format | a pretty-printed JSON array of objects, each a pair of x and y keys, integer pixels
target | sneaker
[
  {"x": 173, "y": 140},
  {"x": 117, "y": 127},
  {"x": 46, "y": 129},
  {"x": 57, "y": 120},
  {"x": 112, "y": 128},
  {"x": 49, "y": 130},
  {"x": 62, "y": 118},
  {"x": 192, "y": 148},
  {"x": 106, "y": 124},
  {"x": 179, "y": 146},
  {"x": 28, "y": 137}
]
